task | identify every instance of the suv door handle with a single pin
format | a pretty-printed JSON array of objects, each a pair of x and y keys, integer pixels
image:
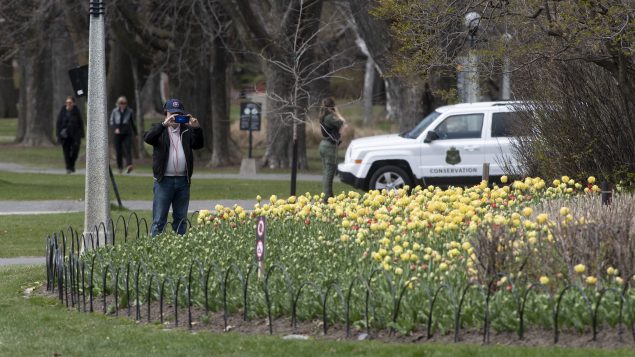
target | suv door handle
[{"x": 471, "y": 148}]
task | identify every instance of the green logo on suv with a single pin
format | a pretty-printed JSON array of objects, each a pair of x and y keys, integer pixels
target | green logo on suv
[{"x": 453, "y": 156}]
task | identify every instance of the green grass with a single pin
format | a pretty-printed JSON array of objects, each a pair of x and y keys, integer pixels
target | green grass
[
  {"x": 17, "y": 186},
  {"x": 39, "y": 325},
  {"x": 52, "y": 156},
  {"x": 8, "y": 128},
  {"x": 24, "y": 235},
  {"x": 48, "y": 157}
]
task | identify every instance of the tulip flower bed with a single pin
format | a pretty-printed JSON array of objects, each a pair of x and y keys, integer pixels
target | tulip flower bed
[{"x": 524, "y": 255}]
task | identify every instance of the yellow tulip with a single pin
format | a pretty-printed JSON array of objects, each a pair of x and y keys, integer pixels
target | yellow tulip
[{"x": 580, "y": 268}]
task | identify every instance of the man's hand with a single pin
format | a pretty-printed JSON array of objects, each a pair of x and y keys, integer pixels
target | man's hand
[
  {"x": 117, "y": 131},
  {"x": 169, "y": 120},
  {"x": 193, "y": 122}
]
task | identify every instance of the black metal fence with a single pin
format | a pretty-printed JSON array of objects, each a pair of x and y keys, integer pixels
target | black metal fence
[{"x": 74, "y": 278}]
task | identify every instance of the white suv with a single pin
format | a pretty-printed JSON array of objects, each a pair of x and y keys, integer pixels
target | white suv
[{"x": 449, "y": 146}]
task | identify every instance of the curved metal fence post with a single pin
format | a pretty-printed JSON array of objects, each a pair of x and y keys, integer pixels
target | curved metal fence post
[
  {"x": 138, "y": 305},
  {"x": 457, "y": 316},
  {"x": 149, "y": 296},
  {"x": 486, "y": 320},
  {"x": 116, "y": 286},
  {"x": 92, "y": 280},
  {"x": 176, "y": 300},
  {"x": 127, "y": 285},
  {"x": 161, "y": 299},
  {"x": 47, "y": 248},
  {"x": 556, "y": 332},
  {"x": 332, "y": 286},
  {"x": 128, "y": 225},
  {"x": 189, "y": 297},
  {"x": 397, "y": 304},
  {"x": 267, "y": 295},
  {"x": 252, "y": 268},
  {"x": 104, "y": 276},
  {"x": 84, "y": 284},
  {"x": 225, "y": 287}
]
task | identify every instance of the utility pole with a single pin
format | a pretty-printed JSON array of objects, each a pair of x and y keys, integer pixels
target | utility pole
[{"x": 97, "y": 209}]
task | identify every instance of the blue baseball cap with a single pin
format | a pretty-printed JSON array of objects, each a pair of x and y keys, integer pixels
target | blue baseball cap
[{"x": 174, "y": 106}]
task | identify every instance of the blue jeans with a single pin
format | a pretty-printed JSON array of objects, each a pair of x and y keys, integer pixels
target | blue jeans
[{"x": 175, "y": 191}]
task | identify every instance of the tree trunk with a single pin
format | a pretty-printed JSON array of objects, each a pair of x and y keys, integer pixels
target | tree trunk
[
  {"x": 8, "y": 92},
  {"x": 76, "y": 21},
  {"x": 62, "y": 60},
  {"x": 151, "y": 100},
  {"x": 36, "y": 117},
  {"x": 320, "y": 87},
  {"x": 222, "y": 153},
  {"x": 404, "y": 101},
  {"x": 139, "y": 120},
  {"x": 279, "y": 121},
  {"x": 120, "y": 79},
  {"x": 369, "y": 86},
  {"x": 120, "y": 82},
  {"x": 403, "y": 98},
  {"x": 193, "y": 87}
]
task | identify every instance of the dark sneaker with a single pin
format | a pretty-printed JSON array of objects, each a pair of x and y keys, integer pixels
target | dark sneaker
[{"x": 129, "y": 169}]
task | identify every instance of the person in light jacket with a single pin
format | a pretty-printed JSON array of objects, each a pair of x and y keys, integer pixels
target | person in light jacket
[{"x": 124, "y": 130}]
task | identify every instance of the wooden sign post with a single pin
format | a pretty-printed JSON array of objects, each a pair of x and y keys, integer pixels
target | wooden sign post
[{"x": 485, "y": 172}]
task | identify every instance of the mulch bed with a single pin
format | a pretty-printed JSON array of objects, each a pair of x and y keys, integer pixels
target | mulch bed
[{"x": 608, "y": 337}]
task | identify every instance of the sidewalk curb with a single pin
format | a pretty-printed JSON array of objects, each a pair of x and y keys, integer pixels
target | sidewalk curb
[{"x": 22, "y": 261}]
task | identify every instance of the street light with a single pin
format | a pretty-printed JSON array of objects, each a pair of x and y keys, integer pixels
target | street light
[
  {"x": 506, "y": 85},
  {"x": 471, "y": 21},
  {"x": 97, "y": 201}
]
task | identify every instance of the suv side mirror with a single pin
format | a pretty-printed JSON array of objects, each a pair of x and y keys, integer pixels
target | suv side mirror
[{"x": 430, "y": 136}]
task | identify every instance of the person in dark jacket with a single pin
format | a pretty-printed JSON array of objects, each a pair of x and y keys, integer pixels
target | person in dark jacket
[
  {"x": 331, "y": 123},
  {"x": 172, "y": 166},
  {"x": 70, "y": 131},
  {"x": 124, "y": 130}
]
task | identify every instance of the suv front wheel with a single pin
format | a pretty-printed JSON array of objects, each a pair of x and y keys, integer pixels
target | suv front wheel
[{"x": 389, "y": 178}]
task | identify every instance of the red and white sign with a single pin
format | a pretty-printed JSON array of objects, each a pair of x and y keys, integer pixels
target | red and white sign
[{"x": 261, "y": 230}]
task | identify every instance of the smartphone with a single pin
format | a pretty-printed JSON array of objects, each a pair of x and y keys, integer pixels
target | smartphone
[{"x": 181, "y": 119}]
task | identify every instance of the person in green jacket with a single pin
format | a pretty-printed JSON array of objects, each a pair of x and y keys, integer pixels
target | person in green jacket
[{"x": 331, "y": 122}]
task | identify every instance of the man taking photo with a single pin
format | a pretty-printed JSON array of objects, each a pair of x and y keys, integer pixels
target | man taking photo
[{"x": 172, "y": 165}]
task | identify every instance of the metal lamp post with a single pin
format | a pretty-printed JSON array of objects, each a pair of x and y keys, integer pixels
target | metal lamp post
[
  {"x": 97, "y": 208},
  {"x": 506, "y": 85}
]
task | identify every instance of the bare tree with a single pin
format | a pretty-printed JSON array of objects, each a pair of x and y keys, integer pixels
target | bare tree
[
  {"x": 269, "y": 28},
  {"x": 433, "y": 34},
  {"x": 579, "y": 123},
  {"x": 23, "y": 39},
  {"x": 404, "y": 92},
  {"x": 184, "y": 40},
  {"x": 8, "y": 91}
]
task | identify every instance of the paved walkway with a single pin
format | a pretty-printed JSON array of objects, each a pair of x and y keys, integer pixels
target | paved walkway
[
  {"x": 65, "y": 206},
  {"x": 22, "y": 261},
  {"x": 12, "y": 167}
]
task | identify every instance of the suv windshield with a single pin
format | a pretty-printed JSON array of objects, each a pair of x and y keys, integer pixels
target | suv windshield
[{"x": 417, "y": 130}]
